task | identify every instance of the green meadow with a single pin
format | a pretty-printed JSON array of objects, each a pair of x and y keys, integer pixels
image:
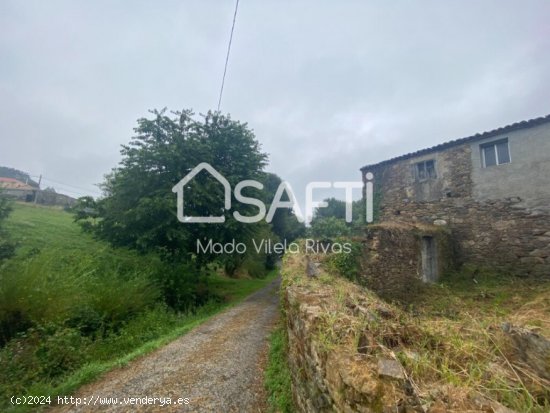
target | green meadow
[{"x": 73, "y": 307}]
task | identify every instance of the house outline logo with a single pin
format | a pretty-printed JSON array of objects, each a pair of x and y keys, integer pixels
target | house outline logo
[{"x": 179, "y": 188}]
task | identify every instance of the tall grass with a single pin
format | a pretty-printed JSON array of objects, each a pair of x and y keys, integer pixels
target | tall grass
[
  {"x": 71, "y": 307},
  {"x": 277, "y": 375},
  {"x": 43, "y": 289}
]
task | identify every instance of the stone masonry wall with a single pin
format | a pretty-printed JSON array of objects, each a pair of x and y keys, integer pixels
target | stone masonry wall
[
  {"x": 337, "y": 377},
  {"x": 392, "y": 260},
  {"x": 342, "y": 340},
  {"x": 502, "y": 234}
]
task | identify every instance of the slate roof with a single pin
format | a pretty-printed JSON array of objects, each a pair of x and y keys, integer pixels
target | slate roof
[{"x": 478, "y": 136}]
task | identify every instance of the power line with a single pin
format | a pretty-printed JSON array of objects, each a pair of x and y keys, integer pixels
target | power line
[
  {"x": 95, "y": 191},
  {"x": 227, "y": 56},
  {"x": 70, "y": 186},
  {"x": 66, "y": 191}
]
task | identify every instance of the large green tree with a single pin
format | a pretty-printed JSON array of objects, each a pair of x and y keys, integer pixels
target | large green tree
[
  {"x": 139, "y": 207},
  {"x": 337, "y": 208},
  {"x": 284, "y": 224},
  {"x": 330, "y": 221}
]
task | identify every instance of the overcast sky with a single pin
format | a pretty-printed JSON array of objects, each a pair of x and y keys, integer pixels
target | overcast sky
[{"x": 328, "y": 86}]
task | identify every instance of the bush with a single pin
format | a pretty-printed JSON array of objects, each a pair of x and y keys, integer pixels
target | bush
[
  {"x": 328, "y": 228},
  {"x": 182, "y": 286},
  {"x": 347, "y": 265},
  {"x": 60, "y": 350},
  {"x": 43, "y": 352},
  {"x": 49, "y": 353},
  {"x": 86, "y": 319}
]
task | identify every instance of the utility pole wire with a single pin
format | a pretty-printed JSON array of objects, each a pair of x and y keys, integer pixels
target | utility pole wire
[{"x": 228, "y": 51}]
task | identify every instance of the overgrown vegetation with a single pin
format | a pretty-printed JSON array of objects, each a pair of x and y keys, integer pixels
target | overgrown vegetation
[
  {"x": 138, "y": 209},
  {"x": 347, "y": 264},
  {"x": 72, "y": 307},
  {"x": 448, "y": 337},
  {"x": 329, "y": 222},
  {"x": 6, "y": 246},
  {"x": 277, "y": 375},
  {"x": 461, "y": 319},
  {"x": 74, "y": 299}
]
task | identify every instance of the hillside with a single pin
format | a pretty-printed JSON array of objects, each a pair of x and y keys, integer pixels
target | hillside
[
  {"x": 73, "y": 307},
  {"x": 6, "y": 172}
]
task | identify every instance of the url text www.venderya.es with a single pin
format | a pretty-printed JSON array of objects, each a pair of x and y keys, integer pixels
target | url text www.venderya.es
[{"x": 95, "y": 400}]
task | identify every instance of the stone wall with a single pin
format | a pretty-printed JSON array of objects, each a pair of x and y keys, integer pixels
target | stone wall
[
  {"x": 502, "y": 234},
  {"x": 328, "y": 377},
  {"x": 343, "y": 342},
  {"x": 394, "y": 261}
]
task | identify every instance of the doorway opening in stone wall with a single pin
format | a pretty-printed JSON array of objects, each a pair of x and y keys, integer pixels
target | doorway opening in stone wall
[{"x": 429, "y": 259}]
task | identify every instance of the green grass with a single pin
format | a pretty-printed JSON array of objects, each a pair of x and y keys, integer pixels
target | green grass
[
  {"x": 484, "y": 294},
  {"x": 36, "y": 228},
  {"x": 277, "y": 375},
  {"x": 234, "y": 290},
  {"x": 61, "y": 276},
  {"x": 95, "y": 369}
]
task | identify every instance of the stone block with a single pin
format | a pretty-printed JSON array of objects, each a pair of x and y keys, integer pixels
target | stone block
[
  {"x": 542, "y": 253},
  {"x": 390, "y": 368},
  {"x": 532, "y": 260}
]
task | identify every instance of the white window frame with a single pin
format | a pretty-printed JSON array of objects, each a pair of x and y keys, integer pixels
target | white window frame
[
  {"x": 424, "y": 162},
  {"x": 494, "y": 144}
]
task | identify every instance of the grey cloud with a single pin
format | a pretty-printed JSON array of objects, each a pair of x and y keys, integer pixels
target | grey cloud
[{"x": 327, "y": 86}]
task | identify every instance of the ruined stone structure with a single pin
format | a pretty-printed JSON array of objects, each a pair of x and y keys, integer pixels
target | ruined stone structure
[
  {"x": 492, "y": 190},
  {"x": 397, "y": 257},
  {"x": 342, "y": 345}
]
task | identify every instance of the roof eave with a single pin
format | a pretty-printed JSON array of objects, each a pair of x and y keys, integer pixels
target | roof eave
[{"x": 478, "y": 136}]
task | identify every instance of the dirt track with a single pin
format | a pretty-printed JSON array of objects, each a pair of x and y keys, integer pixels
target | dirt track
[{"x": 218, "y": 366}]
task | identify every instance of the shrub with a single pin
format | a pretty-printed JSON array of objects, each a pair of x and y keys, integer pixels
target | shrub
[
  {"x": 43, "y": 352},
  {"x": 146, "y": 326},
  {"x": 60, "y": 350},
  {"x": 257, "y": 265},
  {"x": 328, "y": 228},
  {"x": 347, "y": 265},
  {"x": 182, "y": 286}
]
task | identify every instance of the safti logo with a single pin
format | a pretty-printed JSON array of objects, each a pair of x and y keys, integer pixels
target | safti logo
[{"x": 277, "y": 203}]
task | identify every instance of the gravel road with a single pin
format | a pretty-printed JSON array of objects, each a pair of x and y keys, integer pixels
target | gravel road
[{"x": 218, "y": 366}]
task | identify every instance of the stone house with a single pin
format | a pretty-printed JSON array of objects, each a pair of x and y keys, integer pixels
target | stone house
[{"x": 490, "y": 190}]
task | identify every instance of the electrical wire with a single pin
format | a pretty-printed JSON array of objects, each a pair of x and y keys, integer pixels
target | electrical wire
[
  {"x": 85, "y": 190},
  {"x": 227, "y": 56}
]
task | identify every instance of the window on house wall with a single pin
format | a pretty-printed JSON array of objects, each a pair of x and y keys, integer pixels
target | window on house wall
[
  {"x": 425, "y": 170},
  {"x": 495, "y": 153}
]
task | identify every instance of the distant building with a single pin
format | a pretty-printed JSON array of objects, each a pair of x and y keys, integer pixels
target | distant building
[
  {"x": 13, "y": 188},
  {"x": 492, "y": 190}
]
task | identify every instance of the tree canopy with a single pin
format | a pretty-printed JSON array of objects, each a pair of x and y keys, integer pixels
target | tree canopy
[{"x": 138, "y": 209}]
